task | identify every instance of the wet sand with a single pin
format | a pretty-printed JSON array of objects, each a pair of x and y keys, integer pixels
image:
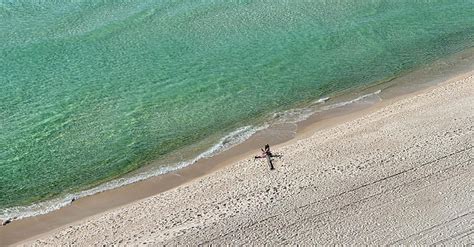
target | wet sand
[{"x": 398, "y": 172}]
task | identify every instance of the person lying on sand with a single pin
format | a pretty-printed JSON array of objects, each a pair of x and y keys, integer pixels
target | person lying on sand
[{"x": 266, "y": 153}]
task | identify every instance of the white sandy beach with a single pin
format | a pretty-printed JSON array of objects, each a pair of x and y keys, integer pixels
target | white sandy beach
[{"x": 402, "y": 174}]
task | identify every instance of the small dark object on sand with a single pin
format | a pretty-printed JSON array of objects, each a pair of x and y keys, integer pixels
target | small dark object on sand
[{"x": 7, "y": 221}]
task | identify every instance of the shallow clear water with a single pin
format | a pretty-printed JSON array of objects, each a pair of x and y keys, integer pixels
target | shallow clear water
[{"x": 91, "y": 90}]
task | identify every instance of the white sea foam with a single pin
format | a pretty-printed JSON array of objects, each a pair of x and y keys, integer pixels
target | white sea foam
[
  {"x": 344, "y": 103},
  {"x": 298, "y": 114},
  {"x": 322, "y": 100},
  {"x": 228, "y": 141},
  {"x": 320, "y": 105},
  {"x": 224, "y": 143}
]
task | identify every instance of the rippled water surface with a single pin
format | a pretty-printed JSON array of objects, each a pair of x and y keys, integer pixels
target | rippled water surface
[{"x": 91, "y": 90}]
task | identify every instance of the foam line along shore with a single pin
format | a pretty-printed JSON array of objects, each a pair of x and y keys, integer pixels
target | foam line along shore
[{"x": 98, "y": 95}]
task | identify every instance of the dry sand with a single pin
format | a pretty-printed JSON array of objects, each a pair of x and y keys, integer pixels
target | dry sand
[{"x": 401, "y": 174}]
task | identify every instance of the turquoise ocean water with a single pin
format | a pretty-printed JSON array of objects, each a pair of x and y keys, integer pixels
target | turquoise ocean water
[{"x": 93, "y": 90}]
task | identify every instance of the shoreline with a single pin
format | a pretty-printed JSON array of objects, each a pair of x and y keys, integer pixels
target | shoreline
[
  {"x": 284, "y": 123},
  {"x": 332, "y": 187},
  {"x": 106, "y": 201}
]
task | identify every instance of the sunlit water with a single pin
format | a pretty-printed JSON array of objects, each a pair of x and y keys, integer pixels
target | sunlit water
[{"x": 92, "y": 90}]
